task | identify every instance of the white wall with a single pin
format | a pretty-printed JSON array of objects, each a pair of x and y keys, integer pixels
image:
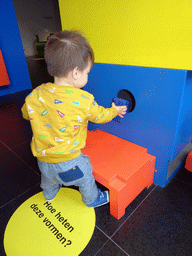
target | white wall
[{"x": 36, "y": 17}]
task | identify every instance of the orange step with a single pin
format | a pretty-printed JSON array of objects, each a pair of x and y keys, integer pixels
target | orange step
[
  {"x": 121, "y": 166},
  {"x": 4, "y": 79},
  {"x": 188, "y": 163}
]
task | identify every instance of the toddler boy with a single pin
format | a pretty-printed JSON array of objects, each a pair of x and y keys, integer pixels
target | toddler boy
[{"x": 59, "y": 113}]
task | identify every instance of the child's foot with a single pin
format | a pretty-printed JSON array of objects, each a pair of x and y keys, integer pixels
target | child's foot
[{"x": 103, "y": 198}]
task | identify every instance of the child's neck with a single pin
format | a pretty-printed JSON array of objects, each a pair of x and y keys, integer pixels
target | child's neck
[{"x": 63, "y": 81}]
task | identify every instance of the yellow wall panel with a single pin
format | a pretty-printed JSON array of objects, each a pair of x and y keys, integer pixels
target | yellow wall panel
[{"x": 150, "y": 33}]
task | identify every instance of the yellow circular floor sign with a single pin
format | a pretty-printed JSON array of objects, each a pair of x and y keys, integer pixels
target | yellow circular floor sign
[{"x": 63, "y": 226}]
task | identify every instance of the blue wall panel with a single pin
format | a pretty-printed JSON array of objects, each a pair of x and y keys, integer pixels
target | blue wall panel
[
  {"x": 184, "y": 127},
  {"x": 12, "y": 50},
  {"x": 154, "y": 123}
]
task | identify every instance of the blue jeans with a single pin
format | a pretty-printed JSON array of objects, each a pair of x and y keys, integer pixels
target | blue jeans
[{"x": 77, "y": 172}]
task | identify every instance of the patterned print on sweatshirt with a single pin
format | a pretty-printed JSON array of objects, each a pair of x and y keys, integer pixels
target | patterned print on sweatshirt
[{"x": 59, "y": 117}]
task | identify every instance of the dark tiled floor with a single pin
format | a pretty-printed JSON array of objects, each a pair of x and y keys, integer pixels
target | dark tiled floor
[{"x": 157, "y": 223}]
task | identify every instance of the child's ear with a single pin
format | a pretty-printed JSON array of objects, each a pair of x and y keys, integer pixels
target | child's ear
[{"x": 75, "y": 73}]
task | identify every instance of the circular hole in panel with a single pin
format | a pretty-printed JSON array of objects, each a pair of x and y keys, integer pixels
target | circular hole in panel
[{"x": 127, "y": 95}]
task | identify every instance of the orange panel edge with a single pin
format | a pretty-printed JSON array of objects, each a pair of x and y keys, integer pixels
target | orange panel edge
[
  {"x": 188, "y": 163},
  {"x": 4, "y": 78}
]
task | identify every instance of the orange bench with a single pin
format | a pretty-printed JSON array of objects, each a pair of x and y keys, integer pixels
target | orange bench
[
  {"x": 121, "y": 166},
  {"x": 188, "y": 163}
]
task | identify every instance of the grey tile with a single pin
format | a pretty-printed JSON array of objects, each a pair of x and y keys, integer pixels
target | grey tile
[
  {"x": 24, "y": 152},
  {"x": 184, "y": 175},
  {"x": 162, "y": 225},
  {"x": 16, "y": 177},
  {"x": 111, "y": 249},
  {"x": 97, "y": 241},
  {"x": 15, "y": 132},
  {"x": 9, "y": 111}
]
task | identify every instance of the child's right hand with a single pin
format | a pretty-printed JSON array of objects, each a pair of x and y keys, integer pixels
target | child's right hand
[{"x": 121, "y": 110}]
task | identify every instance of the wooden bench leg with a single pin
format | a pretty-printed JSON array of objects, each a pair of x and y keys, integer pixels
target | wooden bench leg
[{"x": 118, "y": 202}]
